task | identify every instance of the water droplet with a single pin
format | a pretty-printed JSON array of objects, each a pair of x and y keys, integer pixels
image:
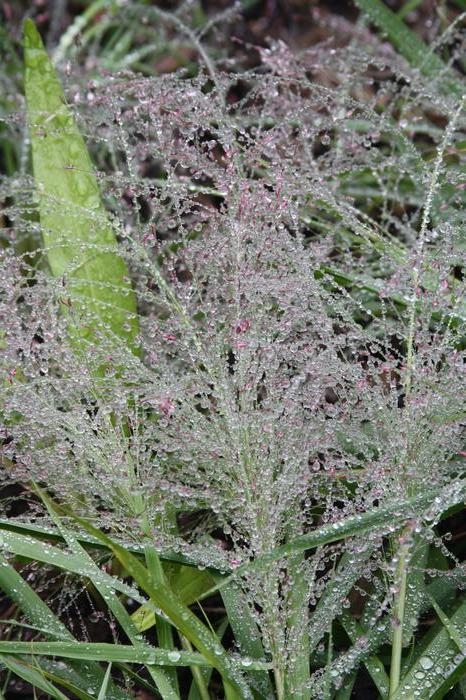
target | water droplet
[{"x": 426, "y": 662}]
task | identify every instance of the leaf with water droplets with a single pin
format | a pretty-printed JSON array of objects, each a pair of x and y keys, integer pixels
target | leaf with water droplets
[
  {"x": 44, "y": 620},
  {"x": 441, "y": 659},
  {"x": 246, "y": 632},
  {"x": 178, "y": 614},
  {"x": 79, "y": 241},
  {"x": 31, "y": 675}
]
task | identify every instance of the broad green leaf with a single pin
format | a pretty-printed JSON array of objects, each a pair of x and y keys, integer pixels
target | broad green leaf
[
  {"x": 80, "y": 244},
  {"x": 188, "y": 583}
]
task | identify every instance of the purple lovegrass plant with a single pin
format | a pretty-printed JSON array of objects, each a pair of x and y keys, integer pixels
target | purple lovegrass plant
[{"x": 296, "y": 251}]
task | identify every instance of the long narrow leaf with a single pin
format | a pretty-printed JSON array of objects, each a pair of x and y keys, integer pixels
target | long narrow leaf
[
  {"x": 165, "y": 684},
  {"x": 49, "y": 533},
  {"x": 246, "y": 632},
  {"x": 32, "y": 675},
  {"x": 115, "y": 653},
  {"x": 103, "y": 652},
  {"x": 373, "y": 664},
  {"x": 36, "y": 610},
  {"x": 30, "y": 548},
  {"x": 103, "y": 689},
  {"x": 180, "y": 616},
  {"x": 440, "y": 661},
  {"x": 66, "y": 675},
  {"x": 380, "y": 519},
  {"x": 45, "y": 621}
]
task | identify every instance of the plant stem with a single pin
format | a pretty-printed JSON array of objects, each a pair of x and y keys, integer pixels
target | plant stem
[
  {"x": 401, "y": 578},
  {"x": 401, "y": 574},
  {"x": 279, "y": 683}
]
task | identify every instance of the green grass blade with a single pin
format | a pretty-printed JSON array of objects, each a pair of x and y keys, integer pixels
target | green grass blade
[
  {"x": 164, "y": 629},
  {"x": 36, "y": 610},
  {"x": 101, "y": 651},
  {"x": 246, "y": 633},
  {"x": 44, "y": 621},
  {"x": 69, "y": 37},
  {"x": 35, "y": 550},
  {"x": 165, "y": 681},
  {"x": 49, "y": 533},
  {"x": 409, "y": 45},
  {"x": 111, "y": 653},
  {"x": 345, "y": 693},
  {"x": 408, "y": 7},
  {"x": 103, "y": 689},
  {"x": 29, "y": 673},
  {"x": 202, "y": 676},
  {"x": 346, "y": 574},
  {"x": 373, "y": 664},
  {"x": 297, "y": 675},
  {"x": 77, "y": 235},
  {"x": 451, "y": 629},
  {"x": 180, "y": 616},
  {"x": 416, "y": 589},
  {"x": 440, "y": 661},
  {"x": 377, "y": 519},
  {"x": 68, "y": 677}
]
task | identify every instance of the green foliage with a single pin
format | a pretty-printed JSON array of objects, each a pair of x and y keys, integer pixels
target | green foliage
[
  {"x": 235, "y": 414},
  {"x": 409, "y": 45},
  {"x": 78, "y": 237}
]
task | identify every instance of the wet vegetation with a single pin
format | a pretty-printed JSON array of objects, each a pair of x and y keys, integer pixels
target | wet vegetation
[{"x": 233, "y": 351}]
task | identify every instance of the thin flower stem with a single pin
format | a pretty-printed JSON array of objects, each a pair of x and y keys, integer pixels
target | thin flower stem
[{"x": 401, "y": 576}]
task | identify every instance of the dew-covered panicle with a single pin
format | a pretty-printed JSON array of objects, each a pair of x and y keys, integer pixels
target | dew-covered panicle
[{"x": 301, "y": 350}]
